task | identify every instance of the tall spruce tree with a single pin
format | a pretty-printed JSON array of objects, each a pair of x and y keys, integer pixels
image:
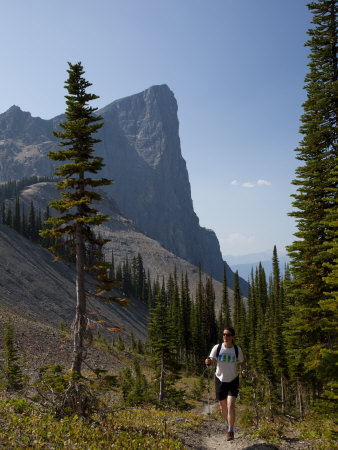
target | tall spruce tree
[
  {"x": 78, "y": 216},
  {"x": 224, "y": 319},
  {"x": 13, "y": 371},
  {"x": 162, "y": 340},
  {"x": 328, "y": 305},
  {"x": 186, "y": 316},
  {"x": 312, "y": 259}
]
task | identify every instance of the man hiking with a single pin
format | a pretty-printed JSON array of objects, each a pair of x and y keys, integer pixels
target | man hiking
[{"x": 226, "y": 376}]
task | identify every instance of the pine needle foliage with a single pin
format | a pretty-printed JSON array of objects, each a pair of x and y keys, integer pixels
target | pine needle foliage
[
  {"x": 73, "y": 228},
  {"x": 312, "y": 324},
  {"x": 12, "y": 367}
]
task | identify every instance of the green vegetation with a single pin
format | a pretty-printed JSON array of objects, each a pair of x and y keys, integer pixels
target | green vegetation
[
  {"x": 12, "y": 367},
  {"x": 74, "y": 226},
  {"x": 312, "y": 322},
  {"x": 24, "y": 425}
]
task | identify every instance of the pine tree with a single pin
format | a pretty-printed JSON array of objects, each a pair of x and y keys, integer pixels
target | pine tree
[
  {"x": 162, "y": 340},
  {"x": 328, "y": 306},
  {"x": 17, "y": 216},
  {"x": 224, "y": 314},
  {"x": 186, "y": 316},
  {"x": 175, "y": 315},
  {"x": 9, "y": 216},
  {"x": 23, "y": 224},
  {"x": 78, "y": 216},
  {"x": 253, "y": 301},
  {"x": 126, "y": 277},
  {"x": 312, "y": 260},
  {"x": 31, "y": 223},
  {"x": 198, "y": 326},
  {"x": 209, "y": 313},
  {"x": 239, "y": 317},
  {"x": 278, "y": 344},
  {"x": 12, "y": 367},
  {"x": 3, "y": 211}
]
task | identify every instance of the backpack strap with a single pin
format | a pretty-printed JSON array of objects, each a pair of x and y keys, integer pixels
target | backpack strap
[{"x": 219, "y": 349}]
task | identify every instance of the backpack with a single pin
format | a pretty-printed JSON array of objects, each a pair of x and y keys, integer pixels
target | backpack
[{"x": 219, "y": 349}]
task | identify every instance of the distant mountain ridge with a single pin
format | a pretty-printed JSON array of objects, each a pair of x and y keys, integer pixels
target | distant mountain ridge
[
  {"x": 245, "y": 263},
  {"x": 141, "y": 149}
]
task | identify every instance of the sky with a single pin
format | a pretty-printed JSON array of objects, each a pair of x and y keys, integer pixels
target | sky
[{"x": 236, "y": 68}]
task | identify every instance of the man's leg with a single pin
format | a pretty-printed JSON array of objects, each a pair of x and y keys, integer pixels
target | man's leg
[
  {"x": 224, "y": 408},
  {"x": 231, "y": 401}
]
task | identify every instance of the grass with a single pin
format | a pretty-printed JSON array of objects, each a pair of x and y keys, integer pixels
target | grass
[
  {"x": 24, "y": 425},
  {"x": 320, "y": 431}
]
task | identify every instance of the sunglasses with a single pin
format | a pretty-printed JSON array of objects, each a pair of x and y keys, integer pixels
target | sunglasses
[{"x": 226, "y": 334}]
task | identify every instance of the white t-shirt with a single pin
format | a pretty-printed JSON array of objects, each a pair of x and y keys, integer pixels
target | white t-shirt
[{"x": 226, "y": 369}]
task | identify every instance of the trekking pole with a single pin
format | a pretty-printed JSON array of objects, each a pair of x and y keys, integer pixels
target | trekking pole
[{"x": 208, "y": 369}]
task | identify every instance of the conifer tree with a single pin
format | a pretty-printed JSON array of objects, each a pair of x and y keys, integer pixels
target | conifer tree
[
  {"x": 239, "y": 317},
  {"x": 12, "y": 368},
  {"x": 31, "y": 222},
  {"x": 199, "y": 323},
  {"x": 224, "y": 314},
  {"x": 78, "y": 216},
  {"x": 17, "y": 216},
  {"x": 278, "y": 344},
  {"x": 9, "y": 216},
  {"x": 175, "y": 313},
  {"x": 253, "y": 301},
  {"x": 312, "y": 259},
  {"x": 162, "y": 340},
  {"x": 186, "y": 315},
  {"x": 3, "y": 210},
  {"x": 126, "y": 277},
  {"x": 209, "y": 313},
  {"x": 23, "y": 224}
]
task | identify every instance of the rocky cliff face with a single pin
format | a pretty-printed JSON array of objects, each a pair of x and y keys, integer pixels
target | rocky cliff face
[
  {"x": 24, "y": 144},
  {"x": 141, "y": 149}
]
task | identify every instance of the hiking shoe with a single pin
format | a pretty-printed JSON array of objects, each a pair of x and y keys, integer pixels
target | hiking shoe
[{"x": 230, "y": 436}]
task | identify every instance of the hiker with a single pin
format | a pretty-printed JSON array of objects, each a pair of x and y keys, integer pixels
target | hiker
[{"x": 226, "y": 376}]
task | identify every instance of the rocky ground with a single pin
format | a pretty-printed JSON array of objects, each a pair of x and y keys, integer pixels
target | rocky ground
[{"x": 213, "y": 436}]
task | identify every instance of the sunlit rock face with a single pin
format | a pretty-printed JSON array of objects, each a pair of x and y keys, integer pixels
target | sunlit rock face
[{"x": 141, "y": 148}]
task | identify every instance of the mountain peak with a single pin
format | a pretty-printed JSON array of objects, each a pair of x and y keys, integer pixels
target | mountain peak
[{"x": 15, "y": 110}]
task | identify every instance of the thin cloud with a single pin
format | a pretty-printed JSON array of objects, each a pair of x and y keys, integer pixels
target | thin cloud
[
  {"x": 250, "y": 185},
  {"x": 235, "y": 238},
  {"x": 263, "y": 183}
]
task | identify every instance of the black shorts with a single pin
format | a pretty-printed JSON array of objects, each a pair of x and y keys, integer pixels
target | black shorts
[{"x": 225, "y": 389}]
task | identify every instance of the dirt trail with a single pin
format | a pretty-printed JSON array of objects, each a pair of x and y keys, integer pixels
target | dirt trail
[{"x": 214, "y": 437}]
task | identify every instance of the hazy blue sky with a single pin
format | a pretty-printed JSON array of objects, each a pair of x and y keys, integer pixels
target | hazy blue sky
[{"x": 236, "y": 68}]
